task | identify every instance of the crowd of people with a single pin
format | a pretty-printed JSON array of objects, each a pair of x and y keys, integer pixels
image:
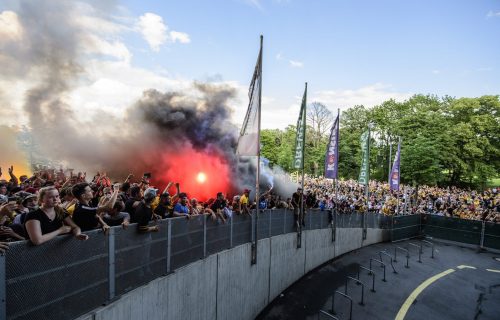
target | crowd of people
[
  {"x": 54, "y": 202},
  {"x": 349, "y": 195}
]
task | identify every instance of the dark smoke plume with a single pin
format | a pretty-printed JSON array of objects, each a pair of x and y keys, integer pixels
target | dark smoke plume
[{"x": 159, "y": 122}]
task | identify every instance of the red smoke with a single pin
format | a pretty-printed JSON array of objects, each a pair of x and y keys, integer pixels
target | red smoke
[{"x": 185, "y": 165}]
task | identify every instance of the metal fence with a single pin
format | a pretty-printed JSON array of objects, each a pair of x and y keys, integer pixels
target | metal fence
[{"x": 65, "y": 278}]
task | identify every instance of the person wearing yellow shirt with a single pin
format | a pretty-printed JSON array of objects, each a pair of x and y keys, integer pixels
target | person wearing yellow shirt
[{"x": 244, "y": 208}]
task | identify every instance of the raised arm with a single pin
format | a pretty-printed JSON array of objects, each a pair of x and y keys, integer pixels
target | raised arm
[{"x": 167, "y": 187}]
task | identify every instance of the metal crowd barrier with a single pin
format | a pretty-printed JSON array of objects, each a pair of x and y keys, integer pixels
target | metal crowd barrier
[{"x": 65, "y": 278}]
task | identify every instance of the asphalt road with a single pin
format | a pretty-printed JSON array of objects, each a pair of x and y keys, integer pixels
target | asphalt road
[{"x": 459, "y": 283}]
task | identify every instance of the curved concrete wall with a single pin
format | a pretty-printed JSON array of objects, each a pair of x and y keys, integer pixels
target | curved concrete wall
[{"x": 227, "y": 286}]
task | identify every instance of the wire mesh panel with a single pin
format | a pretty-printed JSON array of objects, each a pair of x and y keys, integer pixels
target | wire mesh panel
[
  {"x": 242, "y": 229},
  {"x": 355, "y": 220},
  {"x": 218, "y": 235},
  {"x": 263, "y": 224},
  {"x": 385, "y": 221},
  {"x": 405, "y": 227},
  {"x": 466, "y": 231},
  {"x": 186, "y": 241},
  {"x": 326, "y": 218},
  {"x": 371, "y": 220},
  {"x": 278, "y": 222},
  {"x": 341, "y": 220},
  {"x": 60, "y": 279},
  {"x": 315, "y": 219},
  {"x": 492, "y": 235},
  {"x": 139, "y": 257},
  {"x": 289, "y": 223}
]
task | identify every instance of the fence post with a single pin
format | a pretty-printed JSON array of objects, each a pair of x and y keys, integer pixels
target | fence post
[
  {"x": 204, "y": 236},
  {"x": 270, "y": 221},
  {"x": 111, "y": 264},
  {"x": 169, "y": 244},
  {"x": 483, "y": 229},
  {"x": 284, "y": 220},
  {"x": 3, "y": 290},
  {"x": 231, "y": 231}
]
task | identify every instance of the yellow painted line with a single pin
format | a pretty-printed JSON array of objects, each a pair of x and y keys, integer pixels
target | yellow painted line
[
  {"x": 465, "y": 267},
  {"x": 409, "y": 301},
  {"x": 493, "y": 270}
]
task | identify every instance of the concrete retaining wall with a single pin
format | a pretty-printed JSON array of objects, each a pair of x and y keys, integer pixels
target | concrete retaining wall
[{"x": 227, "y": 286}]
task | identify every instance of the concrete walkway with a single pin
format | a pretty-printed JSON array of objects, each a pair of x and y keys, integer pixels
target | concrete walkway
[{"x": 459, "y": 283}]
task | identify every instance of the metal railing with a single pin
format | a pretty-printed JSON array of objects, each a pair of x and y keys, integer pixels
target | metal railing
[{"x": 65, "y": 278}]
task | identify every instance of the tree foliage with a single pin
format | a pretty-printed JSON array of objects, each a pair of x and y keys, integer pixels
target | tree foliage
[{"x": 445, "y": 141}]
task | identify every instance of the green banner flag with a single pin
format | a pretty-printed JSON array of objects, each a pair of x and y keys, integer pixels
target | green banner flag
[
  {"x": 364, "y": 173},
  {"x": 300, "y": 140}
]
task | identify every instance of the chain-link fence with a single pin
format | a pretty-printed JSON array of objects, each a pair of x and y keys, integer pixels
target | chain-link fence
[{"x": 65, "y": 278}]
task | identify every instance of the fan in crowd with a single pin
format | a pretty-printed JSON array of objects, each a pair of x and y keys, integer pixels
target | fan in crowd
[{"x": 54, "y": 202}]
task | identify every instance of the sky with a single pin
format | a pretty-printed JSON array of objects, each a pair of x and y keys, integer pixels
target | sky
[{"x": 350, "y": 52}]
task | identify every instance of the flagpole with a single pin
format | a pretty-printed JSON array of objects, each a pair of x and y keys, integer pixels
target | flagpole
[
  {"x": 257, "y": 180},
  {"x": 399, "y": 175},
  {"x": 337, "y": 172},
  {"x": 303, "y": 156}
]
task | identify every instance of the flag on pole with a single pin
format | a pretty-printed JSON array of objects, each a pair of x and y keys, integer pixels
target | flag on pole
[
  {"x": 364, "y": 173},
  {"x": 300, "y": 140},
  {"x": 248, "y": 142},
  {"x": 332, "y": 152},
  {"x": 395, "y": 172}
]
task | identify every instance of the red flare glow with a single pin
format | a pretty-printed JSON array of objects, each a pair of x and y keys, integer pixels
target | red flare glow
[{"x": 200, "y": 175}]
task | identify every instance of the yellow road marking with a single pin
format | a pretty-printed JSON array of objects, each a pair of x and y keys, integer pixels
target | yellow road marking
[
  {"x": 409, "y": 301},
  {"x": 465, "y": 267},
  {"x": 493, "y": 270}
]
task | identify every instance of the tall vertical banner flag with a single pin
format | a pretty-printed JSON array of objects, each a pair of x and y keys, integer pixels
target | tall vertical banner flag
[
  {"x": 300, "y": 140},
  {"x": 332, "y": 152},
  {"x": 364, "y": 173},
  {"x": 395, "y": 172},
  {"x": 248, "y": 142}
]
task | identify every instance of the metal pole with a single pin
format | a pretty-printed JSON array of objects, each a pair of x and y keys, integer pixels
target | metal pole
[
  {"x": 3, "y": 290},
  {"x": 483, "y": 229},
  {"x": 204, "y": 236},
  {"x": 169, "y": 244},
  {"x": 390, "y": 160},
  {"x": 111, "y": 264}
]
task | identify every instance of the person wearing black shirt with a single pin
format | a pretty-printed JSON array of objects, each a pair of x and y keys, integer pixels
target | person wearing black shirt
[
  {"x": 218, "y": 206},
  {"x": 297, "y": 199},
  {"x": 144, "y": 212},
  {"x": 85, "y": 215},
  {"x": 49, "y": 220}
]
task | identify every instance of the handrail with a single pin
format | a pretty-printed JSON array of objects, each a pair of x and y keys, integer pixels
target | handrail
[
  {"x": 383, "y": 252},
  {"x": 419, "y": 251},
  {"x": 370, "y": 272},
  {"x": 407, "y": 255},
  {"x": 345, "y": 296},
  {"x": 362, "y": 288},
  {"x": 327, "y": 314},
  {"x": 382, "y": 265},
  {"x": 432, "y": 247}
]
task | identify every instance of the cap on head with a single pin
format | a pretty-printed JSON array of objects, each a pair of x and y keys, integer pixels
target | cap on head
[
  {"x": 246, "y": 191},
  {"x": 150, "y": 193}
]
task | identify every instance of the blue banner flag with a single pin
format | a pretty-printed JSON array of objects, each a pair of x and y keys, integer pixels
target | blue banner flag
[
  {"x": 395, "y": 172},
  {"x": 332, "y": 152}
]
